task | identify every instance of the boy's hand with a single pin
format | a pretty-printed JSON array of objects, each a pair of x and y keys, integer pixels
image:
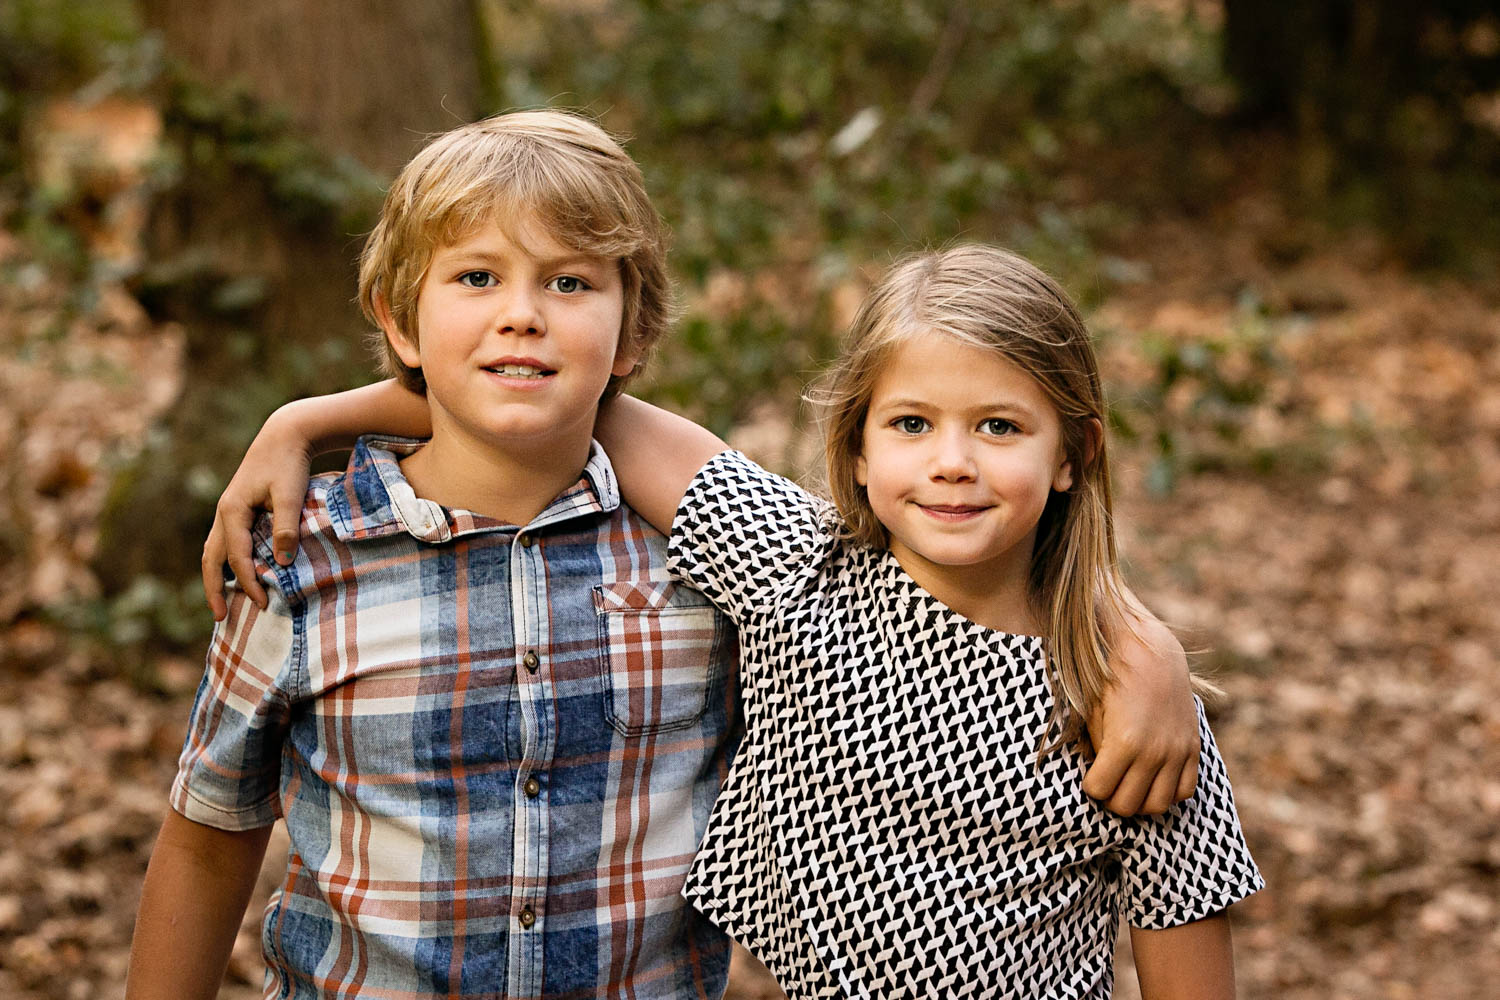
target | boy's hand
[
  {"x": 1145, "y": 731},
  {"x": 272, "y": 474}
]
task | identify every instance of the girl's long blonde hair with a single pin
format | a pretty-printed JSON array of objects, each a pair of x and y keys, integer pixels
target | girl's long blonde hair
[{"x": 994, "y": 300}]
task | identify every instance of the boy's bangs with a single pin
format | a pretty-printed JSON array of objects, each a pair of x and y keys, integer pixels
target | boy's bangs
[{"x": 579, "y": 215}]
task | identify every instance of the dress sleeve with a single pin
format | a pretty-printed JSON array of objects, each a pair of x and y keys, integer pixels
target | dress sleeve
[
  {"x": 229, "y": 773},
  {"x": 743, "y": 535},
  {"x": 1191, "y": 862}
]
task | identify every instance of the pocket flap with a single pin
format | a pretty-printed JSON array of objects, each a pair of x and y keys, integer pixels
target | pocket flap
[{"x": 633, "y": 595}]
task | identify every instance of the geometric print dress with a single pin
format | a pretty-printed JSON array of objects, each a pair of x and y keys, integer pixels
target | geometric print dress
[{"x": 887, "y": 829}]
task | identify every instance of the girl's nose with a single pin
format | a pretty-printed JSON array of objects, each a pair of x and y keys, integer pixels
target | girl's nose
[{"x": 952, "y": 460}]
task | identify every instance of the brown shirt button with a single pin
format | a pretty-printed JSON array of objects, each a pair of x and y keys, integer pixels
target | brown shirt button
[
  {"x": 531, "y": 660},
  {"x": 527, "y": 917},
  {"x": 533, "y": 788},
  {"x": 526, "y": 541}
]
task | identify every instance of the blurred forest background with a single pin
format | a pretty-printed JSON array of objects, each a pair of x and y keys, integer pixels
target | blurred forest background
[{"x": 1282, "y": 219}]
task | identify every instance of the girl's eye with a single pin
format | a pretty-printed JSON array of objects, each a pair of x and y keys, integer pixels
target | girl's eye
[
  {"x": 476, "y": 279},
  {"x": 567, "y": 284},
  {"x": 909, "y": 425},
  {"x": 998, "y": 427}
]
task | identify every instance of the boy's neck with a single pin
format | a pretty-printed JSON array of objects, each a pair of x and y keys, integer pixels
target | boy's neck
[{"x": 512, "y": 484}]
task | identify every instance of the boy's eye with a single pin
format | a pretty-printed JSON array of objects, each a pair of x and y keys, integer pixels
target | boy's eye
[
  {"x": 909, "y": 425},
  {"x": 567, "y": 284},
  {"x": 998, "y": 427},
  {"x": 476, "y": 279}
]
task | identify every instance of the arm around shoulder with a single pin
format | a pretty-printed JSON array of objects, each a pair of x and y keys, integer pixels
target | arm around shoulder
[
  {"x": 655, "y": 454},
  {"x": 197, "y": 886}
]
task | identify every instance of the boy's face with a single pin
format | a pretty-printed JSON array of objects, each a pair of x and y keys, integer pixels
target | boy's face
[{"x": 517, "y": 338}]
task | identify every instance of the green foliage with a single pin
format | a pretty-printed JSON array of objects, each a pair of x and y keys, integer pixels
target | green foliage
[
  {"x": 52, "y": 46},
  {"x": 227, "y": 138},
  {"x": 1198, "y": 408},
  {"x": 833, "y": 134}
]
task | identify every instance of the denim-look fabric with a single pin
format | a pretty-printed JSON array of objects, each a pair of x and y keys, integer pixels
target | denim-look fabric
[{"x": 495, "y": 748}]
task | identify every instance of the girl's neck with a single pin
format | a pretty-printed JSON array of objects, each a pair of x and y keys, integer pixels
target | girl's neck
[{"x": 997, "y": 597}]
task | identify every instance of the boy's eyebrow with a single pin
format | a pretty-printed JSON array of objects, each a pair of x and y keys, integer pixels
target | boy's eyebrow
[{"x": 457, "y": 254}]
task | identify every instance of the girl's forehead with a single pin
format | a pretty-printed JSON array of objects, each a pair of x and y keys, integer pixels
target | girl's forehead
[{"x": 939, "y": 369}]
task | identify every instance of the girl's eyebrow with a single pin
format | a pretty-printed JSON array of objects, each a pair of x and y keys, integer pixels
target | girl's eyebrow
[{"x": 998, "y": 406}]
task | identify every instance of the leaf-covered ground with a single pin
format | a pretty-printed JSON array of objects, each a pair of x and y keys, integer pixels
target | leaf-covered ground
[{"x": 1330, "y": 540}]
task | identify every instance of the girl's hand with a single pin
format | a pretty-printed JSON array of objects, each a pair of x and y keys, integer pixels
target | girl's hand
[
  {"x": 1145, "y": 731},
  {"x": 273, "y": 474}
]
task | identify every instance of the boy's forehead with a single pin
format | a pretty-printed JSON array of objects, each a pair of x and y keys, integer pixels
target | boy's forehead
[{"x": 500, "y": 232}]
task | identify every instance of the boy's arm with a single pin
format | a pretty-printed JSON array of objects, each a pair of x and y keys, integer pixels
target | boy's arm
[
  {"x": 655, "y": 455},
  {"x": 1191, "y": 962},
  {"x": 197, "y": 886},
  {"x": 273, "y": 474},
  {"x": 1145, "y": 731}
]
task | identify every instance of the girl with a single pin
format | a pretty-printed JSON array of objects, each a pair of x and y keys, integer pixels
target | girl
[{"x": 906, "y": 815}]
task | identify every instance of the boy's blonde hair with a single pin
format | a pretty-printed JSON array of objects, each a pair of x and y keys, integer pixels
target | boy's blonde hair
[
  {"x": 994, "y": 300},
  {"x": 562, "y": 170}
]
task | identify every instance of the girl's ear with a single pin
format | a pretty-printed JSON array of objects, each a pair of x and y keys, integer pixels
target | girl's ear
[
  {"x": 1093, "y": 439},
  {"x": 861, "y": 471},
  {"x": 404, "y": 346}
]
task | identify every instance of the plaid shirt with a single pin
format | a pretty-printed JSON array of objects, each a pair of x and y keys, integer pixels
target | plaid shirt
[{"x": 495, "y": 748}]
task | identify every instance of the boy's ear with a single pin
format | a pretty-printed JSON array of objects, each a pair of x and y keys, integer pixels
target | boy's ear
[
  {"x": 404, "y": 346},
  {"x": 627, "y": 356}
]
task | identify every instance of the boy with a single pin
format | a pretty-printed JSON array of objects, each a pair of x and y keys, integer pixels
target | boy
[
  {"x": 493, "y": 726},
  {"x": 495, "y": 746}
]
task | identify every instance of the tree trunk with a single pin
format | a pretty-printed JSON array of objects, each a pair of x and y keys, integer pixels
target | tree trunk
[
  {"x": 368, "y": 78},
  {"x": 264, "y": 284}
]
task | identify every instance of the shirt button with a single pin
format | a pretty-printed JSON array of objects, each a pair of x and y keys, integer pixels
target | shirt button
[
  {"x": 1110, "y": 871},
  {"x": 527, "y": 917},
  {"x": 533, "y": 788},
  {"x": 526, "y": 541},
  {"x": 531, "y": 660}
]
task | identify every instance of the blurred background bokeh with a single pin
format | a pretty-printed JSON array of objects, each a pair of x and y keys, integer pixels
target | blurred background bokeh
[{"x": 1283, "y": 221}]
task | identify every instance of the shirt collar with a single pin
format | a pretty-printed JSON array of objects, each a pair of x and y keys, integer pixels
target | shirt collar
[{"x": 372, "y": 499}]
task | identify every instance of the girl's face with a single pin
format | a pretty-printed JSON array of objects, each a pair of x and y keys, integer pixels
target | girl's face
[{"x": 961, "y": 450}]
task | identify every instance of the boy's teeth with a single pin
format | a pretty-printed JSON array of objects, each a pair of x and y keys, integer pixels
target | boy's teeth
[{"x": 522, "y": 370}]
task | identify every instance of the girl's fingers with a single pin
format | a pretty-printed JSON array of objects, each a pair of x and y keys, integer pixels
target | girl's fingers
[
  {"x": 213, "y": 575},
  {"x": 286, "y": 518}
]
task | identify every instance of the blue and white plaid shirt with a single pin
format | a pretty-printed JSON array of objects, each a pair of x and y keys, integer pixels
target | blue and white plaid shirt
[{"x": 495, "y": 748}]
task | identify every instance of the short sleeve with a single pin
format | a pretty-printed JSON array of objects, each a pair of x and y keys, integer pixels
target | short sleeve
[
  {"x": 742, "y": 535},
  {"x": 1191, "y": 862},
  {"x": 228, "y": 775}
]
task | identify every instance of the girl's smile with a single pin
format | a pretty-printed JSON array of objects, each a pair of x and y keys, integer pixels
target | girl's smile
[{"x": 961, "y": 450}]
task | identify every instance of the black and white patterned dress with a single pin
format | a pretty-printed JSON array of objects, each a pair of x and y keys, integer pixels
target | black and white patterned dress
[{"x": 887, "y": 830}]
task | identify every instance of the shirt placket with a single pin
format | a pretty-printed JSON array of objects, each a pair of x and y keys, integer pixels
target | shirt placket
[{"x": 532, "y": 627}]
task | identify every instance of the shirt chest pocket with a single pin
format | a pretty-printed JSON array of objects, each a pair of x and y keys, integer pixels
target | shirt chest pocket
[{"x": 662, "y": 649}]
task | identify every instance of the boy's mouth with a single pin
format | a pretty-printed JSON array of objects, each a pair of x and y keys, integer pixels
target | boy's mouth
[{"x": 510, "y": 370}]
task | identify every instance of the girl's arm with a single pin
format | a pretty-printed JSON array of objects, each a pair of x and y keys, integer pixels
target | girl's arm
[
  {"x": 1191, "y": 962},
  {"x": 655, "y": 454},
  {"x": 197, "y": 886},
  {"x": 1145, "y": 730},
  {"x": 274, "y": 472}
]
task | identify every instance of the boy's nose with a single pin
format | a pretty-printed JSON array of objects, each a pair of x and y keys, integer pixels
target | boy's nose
[{"x": 518, "y": 313}]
